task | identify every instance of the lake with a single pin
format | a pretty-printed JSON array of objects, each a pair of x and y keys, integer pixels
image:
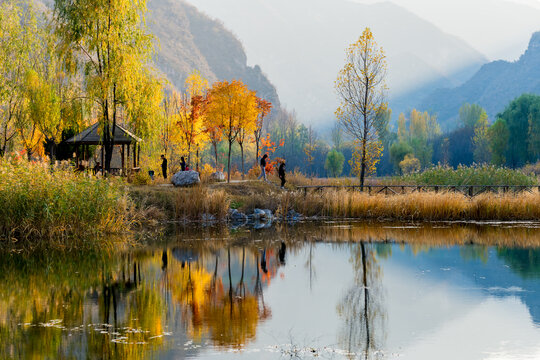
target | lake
[{"x": 329, "y": 290}]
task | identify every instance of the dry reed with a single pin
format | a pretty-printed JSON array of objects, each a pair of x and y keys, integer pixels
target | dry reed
[
  {"x": 427, "y": 206},
  {"x": 198, "y": 203},
  {"x": 43, "y": 203}
]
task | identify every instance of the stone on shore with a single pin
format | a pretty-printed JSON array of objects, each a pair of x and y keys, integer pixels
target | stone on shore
[
  {"x": 237, "y": 217},
  {"x": 218, "y": 176},
  {"x": 186, "y": 178}
]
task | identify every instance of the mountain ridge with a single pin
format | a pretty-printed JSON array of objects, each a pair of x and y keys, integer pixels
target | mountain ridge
[
  {"x": 493, "y": 86},
  {"x": 301, "y": 45}
]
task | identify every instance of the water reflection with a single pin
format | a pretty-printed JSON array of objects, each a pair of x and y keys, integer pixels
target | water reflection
[{"x": 335, "y": 290}]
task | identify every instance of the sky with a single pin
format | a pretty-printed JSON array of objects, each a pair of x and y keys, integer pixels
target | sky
[{"x": 499, "y": 29}]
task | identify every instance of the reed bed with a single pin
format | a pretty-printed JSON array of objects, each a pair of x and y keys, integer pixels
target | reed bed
[
  {"x": 427, "y": 206},
  {"x": 199, "y": 203},
  {"x": 42, "y": 203}
]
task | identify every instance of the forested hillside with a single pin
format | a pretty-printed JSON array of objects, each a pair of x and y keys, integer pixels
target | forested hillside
[
  {"x": 492, "y": 87},
  {"x": 190, "y": 40}
]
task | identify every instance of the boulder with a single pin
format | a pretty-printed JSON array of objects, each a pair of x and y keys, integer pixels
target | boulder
[
  {"x": 208, "y": 218},
  {"x": 237, "y": 217},
  {"x": 186, "y": 178},
  {"x": 293, "y": 216},
  {"x": 218, "y": 176},
  {"x": 259, "y": 214}
]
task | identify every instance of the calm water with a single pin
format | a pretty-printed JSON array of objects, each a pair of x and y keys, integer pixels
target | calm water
[{"x": 331, "y": 291}]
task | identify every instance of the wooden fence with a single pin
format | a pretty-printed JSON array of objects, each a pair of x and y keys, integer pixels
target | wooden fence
[{"x": 468, "y": 190}]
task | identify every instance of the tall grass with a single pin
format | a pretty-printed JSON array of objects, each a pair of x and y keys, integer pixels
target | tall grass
[
  {"x": 418, "y": 206},
  {"x": 196, "y": 203},
  {"x": 469, "y": 175},
  {"x": 37, "y": 202}
]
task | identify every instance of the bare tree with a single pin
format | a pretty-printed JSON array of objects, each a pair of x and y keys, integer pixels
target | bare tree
[{"x": 362, "y": 91}]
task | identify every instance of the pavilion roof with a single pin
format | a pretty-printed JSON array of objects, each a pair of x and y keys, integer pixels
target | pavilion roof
[{"x": 91, "y": 136}]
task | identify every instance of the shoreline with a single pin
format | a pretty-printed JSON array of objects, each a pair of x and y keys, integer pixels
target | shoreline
[{"x": 244, "y": 202}]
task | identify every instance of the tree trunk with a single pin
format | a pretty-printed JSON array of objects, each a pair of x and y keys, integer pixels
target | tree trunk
[
  {"x": 52, "y": 150},
  {"x": 197, "y": 160},
  {"x": 242, "y": 152},
  {"x": 109, "y": 133},
  {"x": 256, "y": 151},
  {"x": 229, "y": 163},
  {"x": 215, "y": 154},
  {"x": 189, "y": 154},
  {"x": 363, "y": 167}
]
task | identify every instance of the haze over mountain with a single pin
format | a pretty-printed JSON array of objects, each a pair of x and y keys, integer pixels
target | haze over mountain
[
  {"x": 301, "y": 45},
  {"x": 492, "y": 87},
  {"x": 500, "y": 29}
]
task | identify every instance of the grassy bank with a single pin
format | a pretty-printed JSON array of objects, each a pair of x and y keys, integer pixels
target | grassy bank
[
  {"x": 191, "y": 204},
  {"x": 38, "y": 203}
]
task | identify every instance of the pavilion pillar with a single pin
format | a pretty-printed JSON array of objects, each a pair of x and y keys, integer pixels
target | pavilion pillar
[
  {"x": 127, "y": 166},
  {"x": 138, "y": 154},
  {"x": 123, "y": 162},
  {"x": 102, "y": 160},
  {"x": 135, "y": 155}
]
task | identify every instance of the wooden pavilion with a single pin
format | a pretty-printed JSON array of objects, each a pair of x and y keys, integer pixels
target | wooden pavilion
[{"x": 122, "y": 137}]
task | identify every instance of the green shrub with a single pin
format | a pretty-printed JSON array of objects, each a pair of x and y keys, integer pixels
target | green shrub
[
  {"x": 469, "y": 175},
  {"x": 141, "y": 178}
]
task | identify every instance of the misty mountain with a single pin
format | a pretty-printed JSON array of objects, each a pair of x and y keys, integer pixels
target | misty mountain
[
  {"x": 301, "y": 45},
  {"x": 189, "y": 40},
  {"x": 499, "y": 29},
  {"x": 493, "y": 87}
]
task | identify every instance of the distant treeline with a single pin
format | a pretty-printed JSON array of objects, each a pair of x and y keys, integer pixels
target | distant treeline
[{"x": 417, "y": 143}]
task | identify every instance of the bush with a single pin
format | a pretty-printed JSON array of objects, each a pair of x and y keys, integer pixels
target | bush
[
  {"x": 470, "y": 175},
  {"x": 43, "y": 203},
  {"x": 141, "y": 178}
]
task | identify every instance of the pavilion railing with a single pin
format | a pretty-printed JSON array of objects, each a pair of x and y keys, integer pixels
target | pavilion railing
[{"x": 468, "y": 190}]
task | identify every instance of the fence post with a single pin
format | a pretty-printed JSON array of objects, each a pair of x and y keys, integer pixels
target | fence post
[{"x": 471, "y": 191}]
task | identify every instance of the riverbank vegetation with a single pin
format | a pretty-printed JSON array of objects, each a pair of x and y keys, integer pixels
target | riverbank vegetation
[
  {"x": 39, "y": 202},
  {"x": 213, "y": 201},
  {"x": 469, "y": 175}
]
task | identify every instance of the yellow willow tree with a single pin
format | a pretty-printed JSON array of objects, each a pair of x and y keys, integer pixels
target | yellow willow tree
[
  {"x": 107, "y": 41},
  {"x": 19, "y": 38},
  {"x": 362, "y": 90},
  {"x": 264, "y": 107},
  {"x": 230, "y": 105},
  {"x": 191, "y": 109}
]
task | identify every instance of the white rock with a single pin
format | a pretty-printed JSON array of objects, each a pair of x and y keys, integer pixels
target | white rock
[
  {"x": 217, "y": 176},
  {"x": 186, "y": 178}
]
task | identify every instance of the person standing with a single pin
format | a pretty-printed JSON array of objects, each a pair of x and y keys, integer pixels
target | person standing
[
  {"x": 263, "y": 167},
  {"x": 281, "y": 174},
  {"x": 164, "y": 166},
  {"x": 183, "y": 164}
]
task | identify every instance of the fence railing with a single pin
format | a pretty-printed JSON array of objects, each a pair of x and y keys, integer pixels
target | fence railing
[{"x": 468, "y": 190}]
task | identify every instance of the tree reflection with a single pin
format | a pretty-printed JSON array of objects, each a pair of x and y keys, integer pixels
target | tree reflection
[
  {"x": 361, "y": 308},
  {"x": 222, "y": 304}
]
